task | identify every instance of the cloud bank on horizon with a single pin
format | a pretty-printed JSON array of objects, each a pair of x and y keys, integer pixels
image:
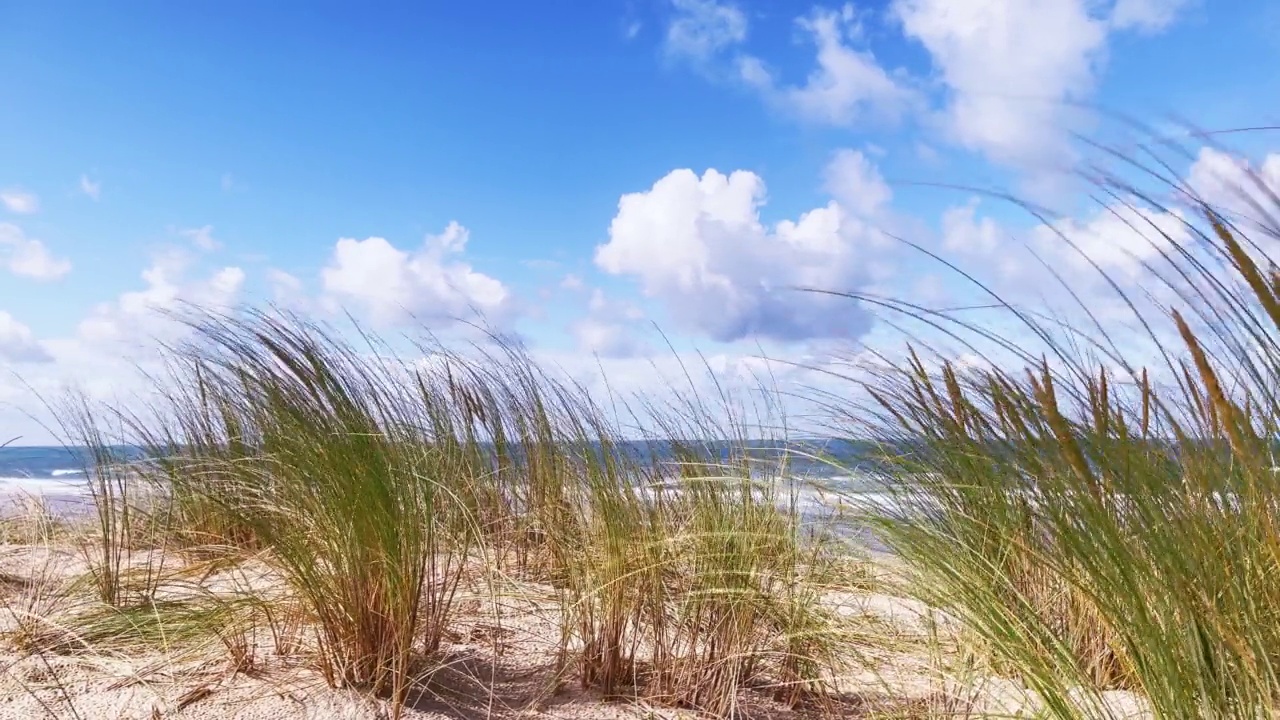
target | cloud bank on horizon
[{"x": 580, "y": 181}]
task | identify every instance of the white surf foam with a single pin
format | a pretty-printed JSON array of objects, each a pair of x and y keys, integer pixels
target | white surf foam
[{"x": 41, "y": 486}]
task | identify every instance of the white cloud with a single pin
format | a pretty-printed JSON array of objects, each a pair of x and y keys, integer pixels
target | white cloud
[
  {"x": 708, "y": 385},
  {"x": 18, "y": 343},
  {"x": 428, "y": 283},
  {"x": 115, "y": 345},
  {"x": 847, "y": 84},
  {"x": 1132, "y": 244},
  {"x": 138, "y": 317},
  {"x": 29, "y": 257},
  {"x": 1149, "y": 16},
  {"x": 701, "y": 28},
  {"x": 571, "y": 281},
  {"x": 856, "y": 184},
  {"x": 1002, "y": 260},
  {"x": 89, "y": 187},
  {"x": 608, "y": 339},
  {"x": 697, "y": 245},
  {"x": 1233, "y": 186},
  {"x": 20, "y": 201},
  {"x": 929, "y": 291},
  {"x": 286, "y": 288},
  {"x": 1119, "y": 239},
  {"x": 1242, "y": 192},
  {"x": 963, "y": 232},
  {"x": 1028, "y": 269},
  {"x": 228, "y": 182},
  {"x": 1009, "y": 65},
  {"x": 1013, "y": 67},
  {"x": 202, "y": 238},
  {"x": 1015, "y": 71},
  {"x": 611, "y": 328}
]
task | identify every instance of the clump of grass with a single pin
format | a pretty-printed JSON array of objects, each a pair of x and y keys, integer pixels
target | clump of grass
[
  {"x": 743, "y": 589},
  {"x": 370, "y": 484},
  {"x": 169, "y": 626},
  {"x": 110, "y": 556},
  {"x": 320, "y": 457},
  {"x": 682, "y": 577},
  {"x": 737, "y": 569},
  {"x": 29, "y": 521},
  {"x": 29, "y": 603},
  {"x": 124, "y": 564},
  {"x": 1096, "y": 527}
]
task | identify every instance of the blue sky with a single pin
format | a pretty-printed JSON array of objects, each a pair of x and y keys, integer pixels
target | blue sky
[{"x": 577, "y": 171}]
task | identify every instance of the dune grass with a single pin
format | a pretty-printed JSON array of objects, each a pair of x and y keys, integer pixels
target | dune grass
[
  {"x": 1092, "y": 521},
  {"x": 373, "y": 486},
  {"x": 1098, "y": 522}
]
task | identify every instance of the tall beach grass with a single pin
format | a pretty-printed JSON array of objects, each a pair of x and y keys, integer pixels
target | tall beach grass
[
  {"x": 1098, "y": 521},
  {"x": 1097, "y": 518},
  {"x": 375, "y": 485}
]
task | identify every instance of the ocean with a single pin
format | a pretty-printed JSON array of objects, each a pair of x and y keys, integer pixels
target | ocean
[
  {"x": 57, "y": 474},
  {"x": 41, "y": 469}
]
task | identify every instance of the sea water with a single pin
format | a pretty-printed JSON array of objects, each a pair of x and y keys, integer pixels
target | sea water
[{"x": 57, "y": 476}]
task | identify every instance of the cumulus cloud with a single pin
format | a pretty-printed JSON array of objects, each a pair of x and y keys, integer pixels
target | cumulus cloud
[
  {"x": 140, "y": 316},
  {"x": 1113, "y": 250},
  {"x": 117, "y": 343},
  {"x": 431, "y": 282},
  {"x": 29, "y": 257},
  {"x": 963, "y": 232},
  {"x": 1009, "y": 65},
  {"x": 1013, "y": 66},
  {"x": 855, "y": 183},
  {"x": 611, "y": 328},
  {"x": 89, "y": 187},
  {"x": 847, "y": 84},
  {"x": 1118, "y": 239},
  {"x": 286, "y": 289},
  {"x": 19, "y": 201},
  {"x": 1013, "y": 71},
  {"x": 698, "y": 246},
  {"x": 1126, "y": 239},
  {"x": 1132, "y": 244},
  {"x": 701, "y": 28},
  {"x": 17, "y": 343},
  {"x": 1234, "y": 186}
]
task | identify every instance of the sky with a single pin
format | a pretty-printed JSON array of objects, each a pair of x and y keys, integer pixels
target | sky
[{"x": 623, "y": 185}]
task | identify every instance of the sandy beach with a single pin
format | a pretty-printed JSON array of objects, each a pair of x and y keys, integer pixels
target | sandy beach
[{"x": 63, "y": 654}]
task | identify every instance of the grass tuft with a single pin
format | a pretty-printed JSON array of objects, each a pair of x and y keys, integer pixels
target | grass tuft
[
  {"x": 373, "y": 487},
  {"x": 1098, "y": 522}
]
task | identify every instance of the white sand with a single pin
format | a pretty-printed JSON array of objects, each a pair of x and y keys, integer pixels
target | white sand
[{"x": 499, "y": 663}]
